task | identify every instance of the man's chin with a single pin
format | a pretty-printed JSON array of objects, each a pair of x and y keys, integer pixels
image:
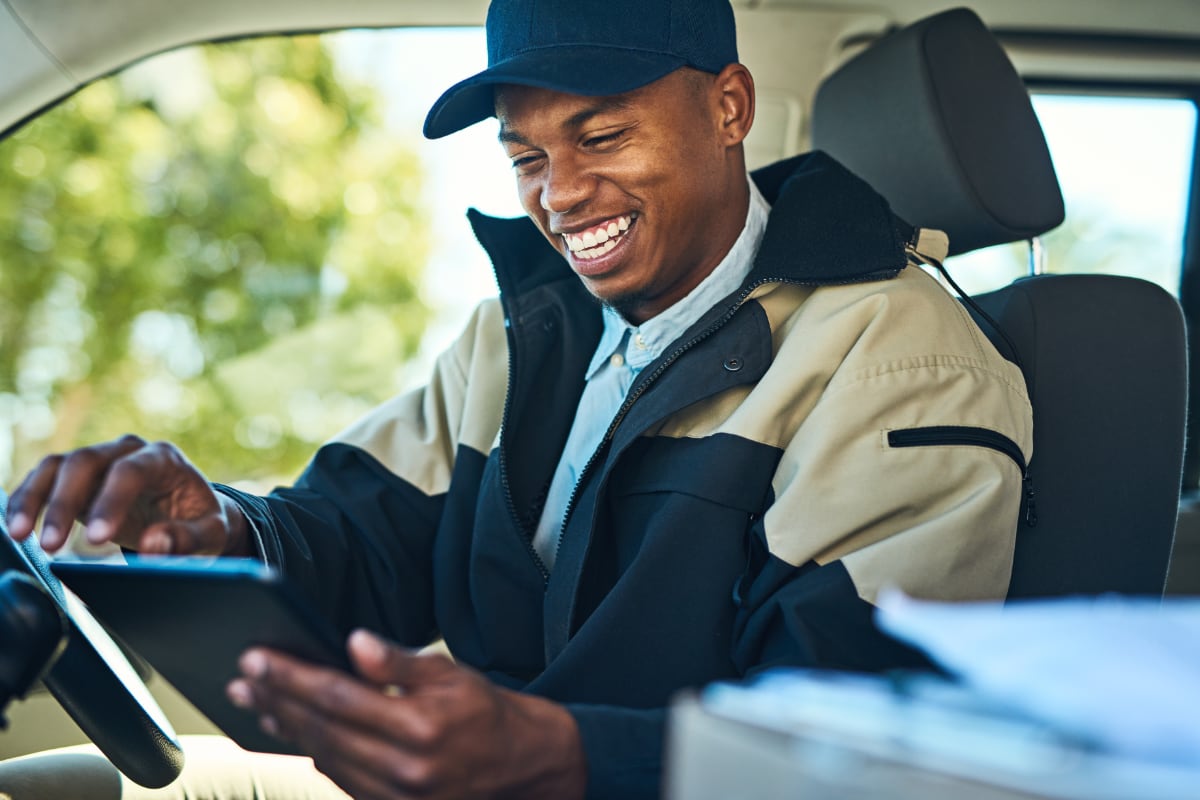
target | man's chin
[{"x": 631, "y": 305}]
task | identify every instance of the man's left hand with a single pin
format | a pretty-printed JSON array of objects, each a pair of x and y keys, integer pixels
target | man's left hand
[{"x": 411, "y": 724}]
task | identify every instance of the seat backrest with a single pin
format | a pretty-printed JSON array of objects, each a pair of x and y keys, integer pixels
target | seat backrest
[{"x": 937, "y": 119}]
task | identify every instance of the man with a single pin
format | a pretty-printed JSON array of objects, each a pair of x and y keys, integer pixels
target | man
[{"x": 711, "y": 471}]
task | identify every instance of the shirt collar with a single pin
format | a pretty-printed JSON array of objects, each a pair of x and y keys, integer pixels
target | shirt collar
[{"x": 642, "y": 344}]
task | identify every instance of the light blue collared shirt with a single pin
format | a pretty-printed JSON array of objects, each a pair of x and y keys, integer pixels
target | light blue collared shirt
[{"x": 623, "y": 352}]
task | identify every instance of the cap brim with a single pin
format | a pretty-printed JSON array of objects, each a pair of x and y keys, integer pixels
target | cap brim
[{"x": 573, "y": 69}]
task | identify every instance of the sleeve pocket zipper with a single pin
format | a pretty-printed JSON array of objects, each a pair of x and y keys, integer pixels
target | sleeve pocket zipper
[{"x": 971, "y": 437}]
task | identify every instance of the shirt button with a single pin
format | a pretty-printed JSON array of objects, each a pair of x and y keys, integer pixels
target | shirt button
[
  {"x": 639, "y": 342},
  {"x": 733, "y": 363},
  {"x": 617, "y": 360}
]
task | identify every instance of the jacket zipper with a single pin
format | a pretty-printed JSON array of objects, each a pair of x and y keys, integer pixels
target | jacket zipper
[
  {"x": 971, "y": 437},
  {"x": 662, "y": 367},
  {"x": 504, "y": 484}
]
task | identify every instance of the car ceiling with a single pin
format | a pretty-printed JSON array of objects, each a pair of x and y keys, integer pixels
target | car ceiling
[{"x": 52, "y": 47}]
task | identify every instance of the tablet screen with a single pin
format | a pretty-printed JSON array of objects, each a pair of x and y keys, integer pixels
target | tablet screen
[{"x": 191, "y": 619}]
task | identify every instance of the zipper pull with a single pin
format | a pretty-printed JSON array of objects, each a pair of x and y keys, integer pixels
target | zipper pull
[{"x": 1031, "y": 518}]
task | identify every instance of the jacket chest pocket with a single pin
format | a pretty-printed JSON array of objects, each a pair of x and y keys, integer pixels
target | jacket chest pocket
[{"x": 666, "y": 492}]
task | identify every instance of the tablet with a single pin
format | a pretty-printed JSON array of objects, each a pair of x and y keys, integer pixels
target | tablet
[{"x": 192, "y": 620}]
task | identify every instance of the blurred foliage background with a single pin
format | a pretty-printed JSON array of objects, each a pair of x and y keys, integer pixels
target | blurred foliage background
[{"x": 226, "y": 255}]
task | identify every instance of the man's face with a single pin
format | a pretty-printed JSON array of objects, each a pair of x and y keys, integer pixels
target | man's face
[{"x": 641, "y": 192}]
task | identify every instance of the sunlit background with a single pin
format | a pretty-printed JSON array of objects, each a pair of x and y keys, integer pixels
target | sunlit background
[
  {"x": 243, "y": 247},
  {"x": 1124, "y": 164}
]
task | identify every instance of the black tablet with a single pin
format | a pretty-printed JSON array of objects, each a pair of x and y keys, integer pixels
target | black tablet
[{"x": 192, "y": 619}]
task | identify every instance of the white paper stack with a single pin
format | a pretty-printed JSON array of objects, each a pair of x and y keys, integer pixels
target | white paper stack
[{"x": 1077, "y": 699}]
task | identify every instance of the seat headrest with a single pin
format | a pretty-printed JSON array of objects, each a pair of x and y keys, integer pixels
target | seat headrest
[{"x": 935, "y": 117}]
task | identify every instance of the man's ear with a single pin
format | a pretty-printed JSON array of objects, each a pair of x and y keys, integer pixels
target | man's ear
[{"x": 735, "y": 89}]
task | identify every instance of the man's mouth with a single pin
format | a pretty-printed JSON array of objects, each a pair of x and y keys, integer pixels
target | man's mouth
[{"x": 598, "y": 240}]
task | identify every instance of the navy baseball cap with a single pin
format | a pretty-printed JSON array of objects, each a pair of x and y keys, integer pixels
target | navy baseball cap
[{"x": 587, "y": 48}]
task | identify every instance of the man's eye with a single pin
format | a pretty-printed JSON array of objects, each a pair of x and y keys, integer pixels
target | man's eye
[
  {"x": 523, "y": 162},
  {"x": 603, "y": 139}
]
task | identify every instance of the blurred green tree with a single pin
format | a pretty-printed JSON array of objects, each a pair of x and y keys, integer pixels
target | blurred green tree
[{"x": 220, "y": 247}]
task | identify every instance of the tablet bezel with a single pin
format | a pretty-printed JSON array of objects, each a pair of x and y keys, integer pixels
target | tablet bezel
[{"x": 191, "y": 621}]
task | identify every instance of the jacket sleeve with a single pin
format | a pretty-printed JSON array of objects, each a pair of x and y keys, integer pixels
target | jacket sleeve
[
  {"x": 356, "y": 531},
  {"x": 906, "y": 469},
  {"x": 624, "y": 750}
]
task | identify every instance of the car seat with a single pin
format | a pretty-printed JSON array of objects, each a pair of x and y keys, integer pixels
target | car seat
[{"x": 937, "y": 119}]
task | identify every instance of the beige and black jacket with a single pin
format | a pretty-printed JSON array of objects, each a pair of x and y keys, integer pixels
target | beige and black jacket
[{"x": 836, "y": 426}]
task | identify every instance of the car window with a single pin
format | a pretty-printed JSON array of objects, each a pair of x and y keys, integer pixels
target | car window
[
  {"x": 1124, "y": 164},
  {"x": 238, "y": 247}
]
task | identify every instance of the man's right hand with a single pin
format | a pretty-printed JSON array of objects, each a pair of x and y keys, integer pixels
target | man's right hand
[{"x": 146, "y": 497}]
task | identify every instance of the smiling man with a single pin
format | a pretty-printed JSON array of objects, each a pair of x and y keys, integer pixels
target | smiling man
[{"x": 666, "y": 455}]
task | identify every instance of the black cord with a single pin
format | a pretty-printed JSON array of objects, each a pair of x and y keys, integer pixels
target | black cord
[
  {"x": 1028, "y": 501},
  {"x": 966, "y": 298}
]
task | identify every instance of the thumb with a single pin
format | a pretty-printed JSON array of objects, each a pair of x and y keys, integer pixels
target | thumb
[
  {"x": 387, "y": 664},
  {"x": 203, "y": 536}
]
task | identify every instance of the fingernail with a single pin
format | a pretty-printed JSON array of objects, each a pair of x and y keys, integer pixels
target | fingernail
[
  {"x": 99, "y": 531},
  {"x": 253, "y": 664},
  {"x": 369, "y": 645},
  {"x": 19, "y": 521},
  {"x": 239, "y": 694},
  {"x": 157, "y": 542},
  {"x": 269, "y": 724},
  {"x": 50, "y": 537}
]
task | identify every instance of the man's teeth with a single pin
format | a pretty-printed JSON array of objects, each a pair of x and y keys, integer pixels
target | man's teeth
[{"x": 599, "y": 240}]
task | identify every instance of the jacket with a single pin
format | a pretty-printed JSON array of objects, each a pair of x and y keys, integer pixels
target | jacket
[{"x": 835, "y": 426}]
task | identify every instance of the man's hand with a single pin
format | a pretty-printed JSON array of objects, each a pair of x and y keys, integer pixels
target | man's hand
[
  {"x": 147, "y": 497},
  {"x": 414, "y": 725}
]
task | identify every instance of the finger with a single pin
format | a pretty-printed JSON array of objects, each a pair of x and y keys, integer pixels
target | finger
[
  {"x": 79, "y": 478},
  {"x": 74, "y": 488},
  {"x": 362, "y": 762},
  {"x": 127, "y": 481},
  {"x": 64, "y": 486},
  {"x": 27, "y": 501},
  {"x": 385, "y": 663},
  {"x": 130, "y": 485},
  {"x": 336, "y": 695},
  {"x": 204, "y": 536}
]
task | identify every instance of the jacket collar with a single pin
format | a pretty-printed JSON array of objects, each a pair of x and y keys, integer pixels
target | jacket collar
[{"x": 827, "y": 226}]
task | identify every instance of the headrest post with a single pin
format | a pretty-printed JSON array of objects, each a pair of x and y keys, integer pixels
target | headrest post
[{"x": 1037, "y": 256}]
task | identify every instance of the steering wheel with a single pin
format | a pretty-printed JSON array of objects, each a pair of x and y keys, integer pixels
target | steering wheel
[{"x": 94, "y": 681}]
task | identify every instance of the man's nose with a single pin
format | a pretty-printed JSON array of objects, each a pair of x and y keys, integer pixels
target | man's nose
[{"x": 567, "y": 184}]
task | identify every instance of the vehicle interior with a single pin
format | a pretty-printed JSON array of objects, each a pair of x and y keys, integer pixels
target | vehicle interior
[{"x": 1082, "y": 263}]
